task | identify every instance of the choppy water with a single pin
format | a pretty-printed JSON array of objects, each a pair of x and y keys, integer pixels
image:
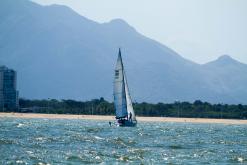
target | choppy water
[{"x": 61, "y": 141}]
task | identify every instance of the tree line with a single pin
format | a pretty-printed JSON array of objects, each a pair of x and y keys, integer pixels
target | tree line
[{"x": 197, "y": 109}]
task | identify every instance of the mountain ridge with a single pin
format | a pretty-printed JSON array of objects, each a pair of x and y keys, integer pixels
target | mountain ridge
[{"x": 225, "y": 60}]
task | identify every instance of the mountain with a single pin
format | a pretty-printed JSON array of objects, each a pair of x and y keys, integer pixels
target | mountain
[
  {"x": 61, "y": 54},
  {"x": 230, "y": 78}
]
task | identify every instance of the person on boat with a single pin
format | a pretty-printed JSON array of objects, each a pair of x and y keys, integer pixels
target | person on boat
[{"x": 130, "y": 116}]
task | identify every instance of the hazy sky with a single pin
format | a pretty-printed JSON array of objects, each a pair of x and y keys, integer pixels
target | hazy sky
[{"x": 199, "y": 30}]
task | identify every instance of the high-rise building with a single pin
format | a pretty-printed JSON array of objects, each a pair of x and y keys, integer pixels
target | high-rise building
[{"x": 8, "y": 94}]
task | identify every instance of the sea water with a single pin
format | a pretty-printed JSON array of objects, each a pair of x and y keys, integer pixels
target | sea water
[{"x": 66, "y": 141}]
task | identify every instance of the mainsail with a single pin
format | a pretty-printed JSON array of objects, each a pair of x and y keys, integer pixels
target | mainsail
[{"x": 119, "y": 89}]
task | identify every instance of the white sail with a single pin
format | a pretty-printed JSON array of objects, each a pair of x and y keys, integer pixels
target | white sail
[
  {"x": 119, "y": 90},
  {"x": 128, "y": 100}
]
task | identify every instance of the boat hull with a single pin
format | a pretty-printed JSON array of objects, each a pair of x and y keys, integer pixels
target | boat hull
[{"x": 126, "y": 123}]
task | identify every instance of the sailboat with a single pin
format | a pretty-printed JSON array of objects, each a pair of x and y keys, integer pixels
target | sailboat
[{"x": 125, "y": 115}]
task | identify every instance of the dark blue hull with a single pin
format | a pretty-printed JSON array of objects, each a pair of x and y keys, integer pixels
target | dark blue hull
[{"x": 126, "y": 123}]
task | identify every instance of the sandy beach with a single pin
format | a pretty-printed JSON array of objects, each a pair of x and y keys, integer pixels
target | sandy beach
[{"x": 111, "y": 118}]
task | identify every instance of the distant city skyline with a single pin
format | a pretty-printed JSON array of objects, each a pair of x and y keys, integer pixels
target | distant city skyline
[{"x": 199, "y": 30}]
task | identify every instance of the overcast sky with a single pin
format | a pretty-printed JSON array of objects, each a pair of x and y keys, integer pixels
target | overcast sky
[{"x": 199, "y": 30}]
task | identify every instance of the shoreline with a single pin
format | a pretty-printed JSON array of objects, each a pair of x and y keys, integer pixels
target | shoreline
[{"x": 111, "y": 118}]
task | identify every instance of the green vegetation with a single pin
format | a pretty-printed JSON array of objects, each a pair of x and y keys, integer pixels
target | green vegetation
[{"x": 198, "y": 109}]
